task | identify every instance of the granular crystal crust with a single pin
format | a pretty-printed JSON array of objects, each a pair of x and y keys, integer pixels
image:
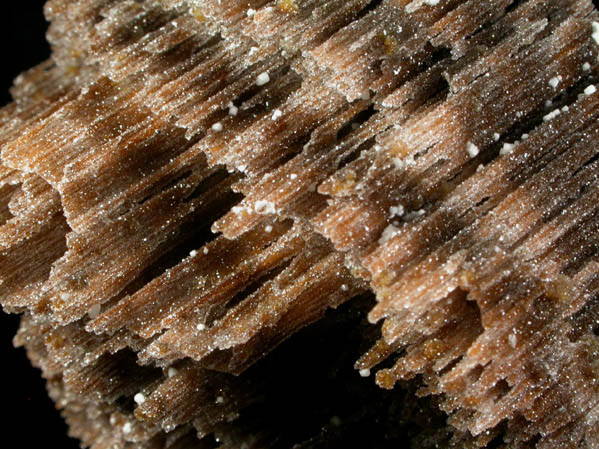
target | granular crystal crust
[{"x": 187, "y": 184}]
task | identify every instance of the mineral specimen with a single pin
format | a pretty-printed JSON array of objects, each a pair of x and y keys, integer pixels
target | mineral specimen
[{"x": 207, "y": 206}]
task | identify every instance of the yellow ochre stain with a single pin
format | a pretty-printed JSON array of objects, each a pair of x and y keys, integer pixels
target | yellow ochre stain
[{"x": 287, "y": 6}]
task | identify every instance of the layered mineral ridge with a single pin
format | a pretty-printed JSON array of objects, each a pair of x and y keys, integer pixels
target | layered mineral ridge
[{"x": 219, "y": 217}]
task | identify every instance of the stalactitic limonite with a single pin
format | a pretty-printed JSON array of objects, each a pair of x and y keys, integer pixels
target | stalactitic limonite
[{"x": 309, "y": 223}]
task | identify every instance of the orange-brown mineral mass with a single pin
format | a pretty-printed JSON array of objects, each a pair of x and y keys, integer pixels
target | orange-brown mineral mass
[{"x": 309, "y": 223}]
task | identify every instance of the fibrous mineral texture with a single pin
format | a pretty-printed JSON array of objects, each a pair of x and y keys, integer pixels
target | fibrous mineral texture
[{"x": 218, "y": 218}]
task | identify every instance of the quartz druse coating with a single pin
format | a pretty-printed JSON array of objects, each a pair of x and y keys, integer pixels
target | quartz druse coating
[{"x": 309, "y": 223}]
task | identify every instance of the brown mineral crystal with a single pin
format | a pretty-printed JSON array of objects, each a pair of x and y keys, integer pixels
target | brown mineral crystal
[{"x": 219, "y": 217}]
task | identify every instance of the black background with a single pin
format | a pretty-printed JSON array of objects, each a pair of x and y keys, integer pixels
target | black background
[{"x": 27, "y": 412}]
